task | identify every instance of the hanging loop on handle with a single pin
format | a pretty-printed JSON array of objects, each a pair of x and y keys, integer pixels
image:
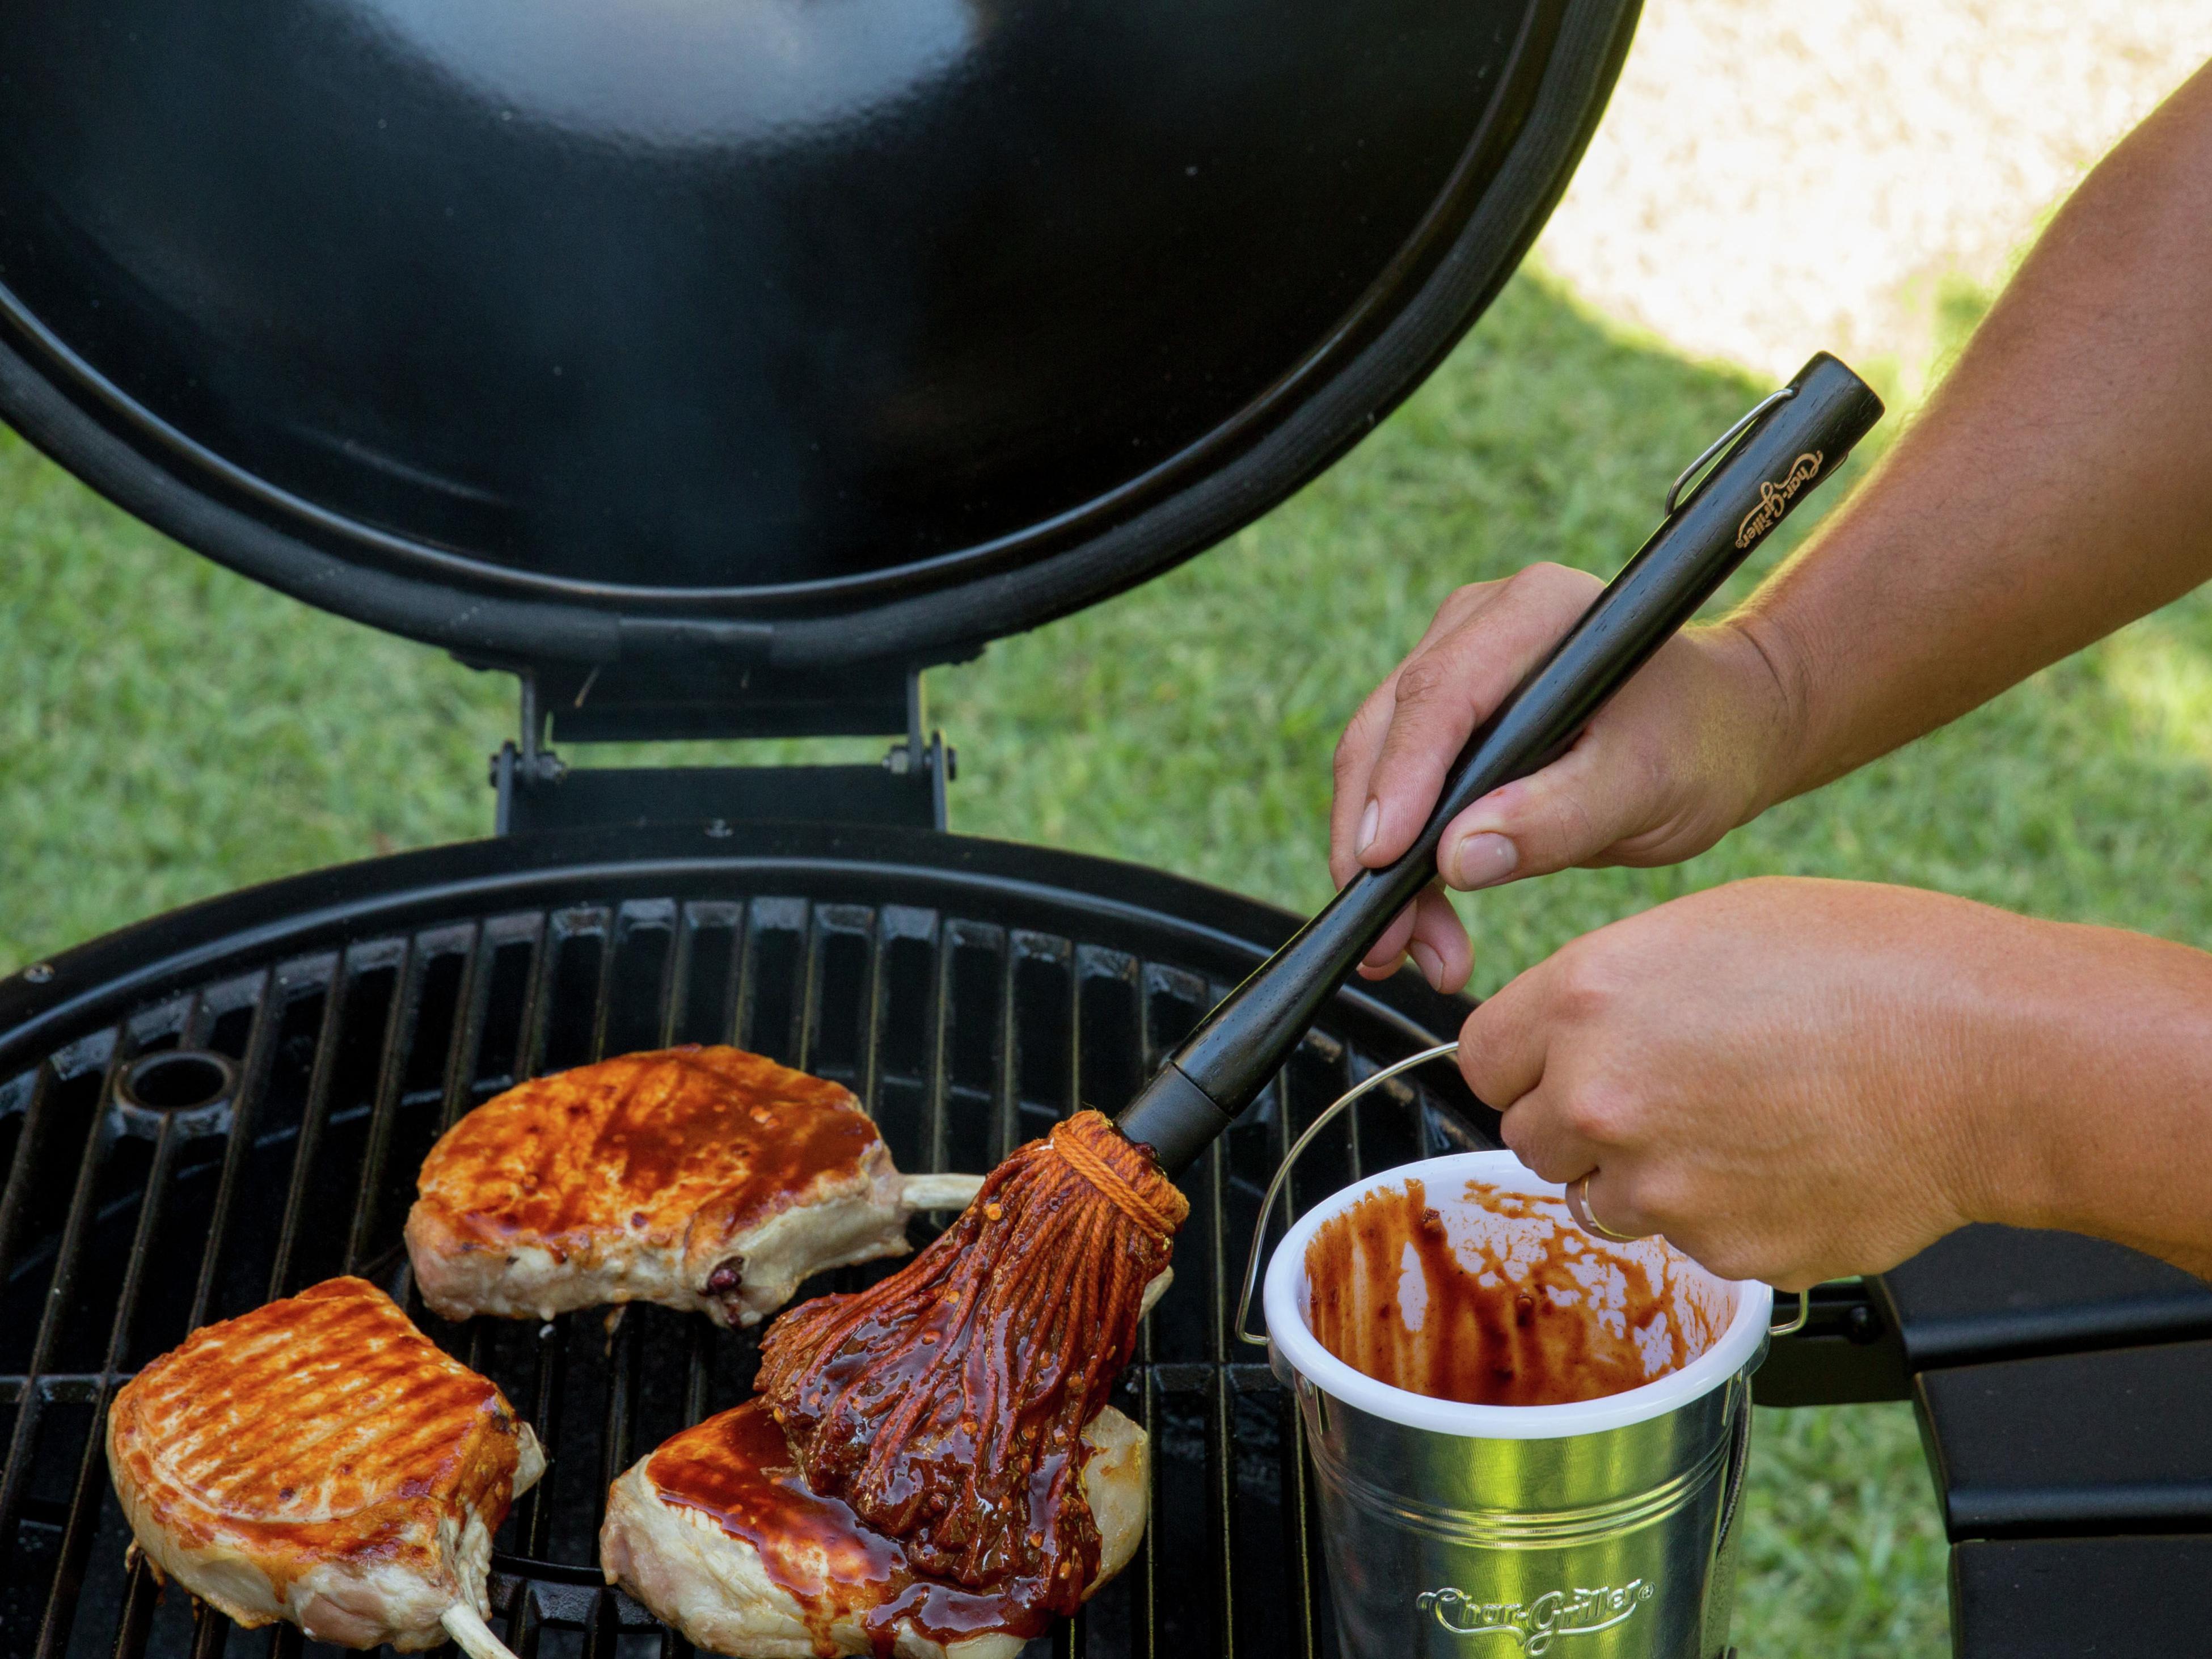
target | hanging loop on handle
[
  {"x": 1714, "y": 450},
  {"x": 1329, "y": 1113}
]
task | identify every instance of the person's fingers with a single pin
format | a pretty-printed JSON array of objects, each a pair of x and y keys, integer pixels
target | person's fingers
[
  {"x": 1440, "y": 946},
  {"x": 1451, "y": 685},
  {"x": 1566, "y": 815},
  {"x": 1354, "y": 760},
  {"x": 1610, "y": 1199},
  {"x": 1428, "y": 930},
  {"x": 1383, "y": 958},
  {"x": 1533, "y": 1133},
  {"x": 1362, "y": 741},
  {"x": 1502, "y": 1044},
  {"x": 1460, "y": 607},
  {"x": 1539, "y": 1130}
]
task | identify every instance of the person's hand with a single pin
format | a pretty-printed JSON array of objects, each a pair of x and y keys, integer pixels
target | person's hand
[
  {"x": 1694, "y": 745},
  {"x": 1794, "y": 1080}
]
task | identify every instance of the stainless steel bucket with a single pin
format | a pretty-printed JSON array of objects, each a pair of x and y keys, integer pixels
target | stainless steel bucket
[
  {"x": 1597, "y": 1529},
  {"x": 1607, "y": 1545}
]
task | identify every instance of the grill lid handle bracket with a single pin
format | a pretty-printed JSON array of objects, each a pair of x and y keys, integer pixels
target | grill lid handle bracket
[{"x": 714, "y": 698}]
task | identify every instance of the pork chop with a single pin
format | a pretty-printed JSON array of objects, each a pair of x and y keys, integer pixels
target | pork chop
[
  {"x": 716, "y": 1534},
  {"x": 707, "y": 1179},
  {"x": 320, "y": 1461}
]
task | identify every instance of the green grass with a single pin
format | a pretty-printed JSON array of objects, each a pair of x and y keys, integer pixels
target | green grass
[{"x": 168, "y": 731}]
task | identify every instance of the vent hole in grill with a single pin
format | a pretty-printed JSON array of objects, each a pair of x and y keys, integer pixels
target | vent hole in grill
[{"x": 179, "y": 1080}]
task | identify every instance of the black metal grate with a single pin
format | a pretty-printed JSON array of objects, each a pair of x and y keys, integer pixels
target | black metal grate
[{"x": 137, "y": 1207}]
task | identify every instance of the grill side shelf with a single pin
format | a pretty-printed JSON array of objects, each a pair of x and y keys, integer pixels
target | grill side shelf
[{"x": 2060, "y": 1382}]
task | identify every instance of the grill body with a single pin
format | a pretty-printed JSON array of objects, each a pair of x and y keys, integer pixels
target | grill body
[{"x": 229, "y": 1103}]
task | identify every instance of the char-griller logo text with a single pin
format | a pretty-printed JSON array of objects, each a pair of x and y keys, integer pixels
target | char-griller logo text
[
  {"x": 1775, "y": 496},
  {"x": 1534, "y": 1625}
]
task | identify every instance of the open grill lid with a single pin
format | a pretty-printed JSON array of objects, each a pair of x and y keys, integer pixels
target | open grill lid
[{"x": 794, "y": 333}]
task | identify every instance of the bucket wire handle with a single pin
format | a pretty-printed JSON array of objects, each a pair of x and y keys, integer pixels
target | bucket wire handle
[
  {"x": 1283, "y": 1171},
  {"x": 1804, "y": 1314},
  {"x": 1329, "y": 1114}
]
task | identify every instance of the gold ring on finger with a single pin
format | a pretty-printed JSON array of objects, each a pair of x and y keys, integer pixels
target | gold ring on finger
[{"x": 1578, "y": 1206}]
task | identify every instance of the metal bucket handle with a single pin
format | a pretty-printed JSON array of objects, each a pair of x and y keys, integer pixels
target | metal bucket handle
[{"x": 1259, "y": 1339}]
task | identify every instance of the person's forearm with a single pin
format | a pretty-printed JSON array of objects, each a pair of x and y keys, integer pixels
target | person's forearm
[
  {"x": 2058, "y": 485},
  {"x": 2106, "y": 1053}
]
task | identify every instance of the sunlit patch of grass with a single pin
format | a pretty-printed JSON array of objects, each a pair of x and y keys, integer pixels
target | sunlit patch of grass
[{"x": 2166, "y": 683}]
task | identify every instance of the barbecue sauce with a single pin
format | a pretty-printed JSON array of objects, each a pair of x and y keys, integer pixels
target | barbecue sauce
[
  {"x": 946, "y": 1402},
  {"x": 1534, "y": 1312},
  {"x": 698, "y": 1141},
  {"x": 738, "y": 1469}
]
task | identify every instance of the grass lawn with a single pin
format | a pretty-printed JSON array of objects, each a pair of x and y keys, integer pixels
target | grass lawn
[{"x": 168, "y": 731}]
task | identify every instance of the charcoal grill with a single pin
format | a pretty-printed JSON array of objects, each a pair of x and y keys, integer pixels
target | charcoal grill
[
  {"x": 244, "y": 1118},
  {"x": 716, "y": 370}
]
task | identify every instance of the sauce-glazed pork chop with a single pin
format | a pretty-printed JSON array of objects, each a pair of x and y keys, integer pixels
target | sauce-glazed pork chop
[
  {"x": 717, "y": 1534},
  {"x": 318, "y": 1460},
  {"x": 702, "y": 1178}
]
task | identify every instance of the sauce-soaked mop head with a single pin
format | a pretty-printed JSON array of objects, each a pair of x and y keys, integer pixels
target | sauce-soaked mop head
[{"x": 945, "y": 1404}]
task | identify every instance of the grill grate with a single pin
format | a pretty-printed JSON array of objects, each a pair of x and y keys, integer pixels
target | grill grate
[{"x": 145, "y": 1196}]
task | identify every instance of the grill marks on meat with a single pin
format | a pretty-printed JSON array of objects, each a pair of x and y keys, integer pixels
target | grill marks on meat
[
  {"x": 717, "y": 1533},
  {"x": 944, "y": 1404},
  {"x": 702, "y": 1178},
  {"x": 319, "y": 1460}
]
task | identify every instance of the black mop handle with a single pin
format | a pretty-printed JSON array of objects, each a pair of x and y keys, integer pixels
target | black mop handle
[{"x": 1782, "y": 451}]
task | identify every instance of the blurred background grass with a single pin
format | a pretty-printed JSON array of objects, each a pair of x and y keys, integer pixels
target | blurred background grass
[{"x": 168, "y": 731}]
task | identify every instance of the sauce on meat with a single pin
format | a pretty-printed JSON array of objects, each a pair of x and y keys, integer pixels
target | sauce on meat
[
  {"x": 1532, "y": 1312},
  {"x": 738, "y": 1469},
  {"x": 318, "y": 1426},
  {"x": 642, "y": 1144}
]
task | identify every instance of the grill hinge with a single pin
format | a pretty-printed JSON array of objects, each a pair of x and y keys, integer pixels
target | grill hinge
[{"x": 537, "y": 790}]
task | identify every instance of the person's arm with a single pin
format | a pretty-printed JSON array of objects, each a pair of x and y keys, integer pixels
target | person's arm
[
  {"x": 2057, "y": 486},
  {"x": 1795, "y": 1080}
]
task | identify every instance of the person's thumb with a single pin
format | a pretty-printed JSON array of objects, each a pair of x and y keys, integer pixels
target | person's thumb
[{"x": 1567, "y": 814}]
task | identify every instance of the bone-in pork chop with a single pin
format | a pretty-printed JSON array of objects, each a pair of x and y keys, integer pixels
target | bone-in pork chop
[
  {"x": 717, "y": 1534},
  {"x": 318, "y": 1460},
  {"x": 702, "y": 1178}
]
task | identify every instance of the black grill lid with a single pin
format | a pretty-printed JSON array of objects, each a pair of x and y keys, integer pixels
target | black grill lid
[{"x": 808, "y": 331}]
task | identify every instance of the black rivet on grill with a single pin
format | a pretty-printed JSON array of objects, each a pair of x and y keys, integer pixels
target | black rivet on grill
[{"x": 179, "y": 1080}]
